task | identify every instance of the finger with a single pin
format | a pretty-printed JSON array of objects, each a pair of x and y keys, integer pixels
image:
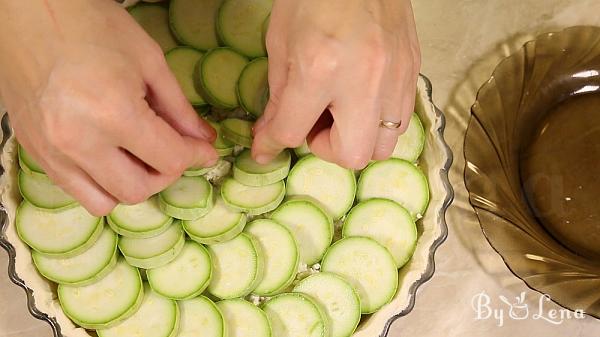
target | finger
[
  {"x": 397, "y": 107},
  {"x": 350, "y": 141},
  {"x": 157, "y": 144},
  {"x": 169, "y": 102},
  {"x": 124, "y": 177},
  {"x": 278, "y": 67},
  {"x": 82, "y": 187},
  {"x": 293, "y": 118}
]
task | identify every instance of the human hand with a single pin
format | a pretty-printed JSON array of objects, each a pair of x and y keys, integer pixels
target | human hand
[
  {"x": 359, "y": 59},
  {"x": 91, "y": 98}
]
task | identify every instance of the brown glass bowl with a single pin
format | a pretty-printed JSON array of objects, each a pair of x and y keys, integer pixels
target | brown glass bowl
[{"x": 532, "y": 153}]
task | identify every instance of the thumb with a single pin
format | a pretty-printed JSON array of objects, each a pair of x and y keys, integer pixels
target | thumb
[{"x": 167, "y": 99}]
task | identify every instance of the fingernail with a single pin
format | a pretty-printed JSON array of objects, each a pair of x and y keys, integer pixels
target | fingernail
[{"x": 263, "y": 159}]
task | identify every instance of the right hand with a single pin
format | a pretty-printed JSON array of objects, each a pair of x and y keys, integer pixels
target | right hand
[{"x": 91, "y": 98}]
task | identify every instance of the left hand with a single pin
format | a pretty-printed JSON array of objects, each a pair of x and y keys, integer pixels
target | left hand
[{"x": 359, "y": 59}]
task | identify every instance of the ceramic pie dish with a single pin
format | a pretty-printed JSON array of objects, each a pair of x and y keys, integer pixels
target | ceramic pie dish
[
  {"x": 532, "y": 153},
  {"x": 435, "y": 161}
]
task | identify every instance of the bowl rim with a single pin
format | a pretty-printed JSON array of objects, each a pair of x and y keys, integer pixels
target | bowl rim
[
  {"x": 484, "y": 87},
  {"x": 426, "y": 275}
]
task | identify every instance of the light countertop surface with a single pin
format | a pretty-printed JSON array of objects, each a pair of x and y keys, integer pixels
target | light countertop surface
[{"x": 461, "y": 42}]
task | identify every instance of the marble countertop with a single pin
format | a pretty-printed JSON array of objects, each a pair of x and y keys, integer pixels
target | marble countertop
[{"x": 462, "y": 41}]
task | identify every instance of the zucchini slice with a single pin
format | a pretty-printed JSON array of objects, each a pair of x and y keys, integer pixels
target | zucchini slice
[
  {"x": 64, "y": 234},
  {"x": 311, "y": 226},
  {"x": 188, "y": 198},
  {"x": 337, "y": 297},
  {"x": 296, "y": 315},
  {"x": 238, "y": 131},
  {"x": 219, "y": 225},
  {"x": 222, "y": 145},
  {"x": 280, "y": 253},
  {"x": 251, "y": 173},
  {"x": 253, "y": 87},
  {"x": 244, "y": 318},
  {"x": 82, "y": 269},
  {"x": 102, "y": 304},
  {"x": 155, "y": 251},
  {"x": 200, "y": 171},
  {"x": 27, "y": 163},
  {"x": 143, "y": 220},
  {"x": 41, "y": 192},
  {"x": 250, "y": 199},
  {"x": 216, "y": 76},
  {"x": 386, "y": 222},
  {"x": 211, "y": 324},
  {"x": 237, "y": 267},
  {"x": 193, "y": 22},
  {"x": 397, "y": 180},
  {"x": 156, "y": 317},
  {"x": 154, "y": 19},
  {"x": 185, "y": 277},
  {"x": 331, "y": 185},
  {"x": 410, "y": 143},
  {"x": 182, "y": 61},
  {"x": 369, "y": 268},
  {"x": 240, "y": 23}
]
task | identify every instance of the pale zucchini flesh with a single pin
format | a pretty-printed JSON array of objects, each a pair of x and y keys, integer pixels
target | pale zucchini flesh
[
  {"x": 40, "y": 191},
  {"x": 253, "y": 87},
  {"x": 211, "y": 324},
  {"x": 102, "y": 304},
  {"x": 244, "y": 319},
  {"x": 84, "y": 268},
  {"x": 223, "y": 146},
  {"x": 156, "y": 317},
  {"x": 155, "y": 251},
  {"x": 237, "y": 267},
  {"x": 238, "y": 131},
  {"x": 188, "y": 198},
  {"x": 386, "y": 222},
  {"x": 338, "y": 299},
  {"x": 410, "y": 143},
  {"x": 185, "y": 277},
  {"x": 311, "y": 226},
  {"x": 143, "y": 220},
  {"x": 219, "y": 225},
  {"x": 250, "y": 199},
  {"x": 332, "y": 186},
  {"x": 397, "y": 180},
  {"x": 239, "y": 25},
  {"x": 216, "y": 76},
  {"x": 249, "y": 172},
  {"x": 64, "y": 233},
  {"x": 296, "y": 315},
  {"x": 193, "y": 22},
  {"x": 280, "y": 253},
  {"x": 369, "y": 268},
  {"x": 182, "y": 61},
  {"x": 155, "y": 21}
]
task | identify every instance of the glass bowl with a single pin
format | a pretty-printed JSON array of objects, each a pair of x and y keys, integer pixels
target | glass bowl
[
  {"x": 532, "y": 152},
  {"x": 432, "y": 231}
]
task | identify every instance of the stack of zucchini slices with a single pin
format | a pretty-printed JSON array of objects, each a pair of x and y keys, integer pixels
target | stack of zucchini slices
[{"x": 298, "y": 247}]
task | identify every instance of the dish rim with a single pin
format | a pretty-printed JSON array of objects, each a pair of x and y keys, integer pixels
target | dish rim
[{"x": 426, "y": 275}]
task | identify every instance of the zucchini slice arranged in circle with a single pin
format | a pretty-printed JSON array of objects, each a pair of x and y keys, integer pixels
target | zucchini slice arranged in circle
[
  {"x": 296, "y": 315},
  {"x": 156, "y": 317},
  {"x": 63, "y": 233},
  {"x": 237, "y": 267},
  {"x": 102, "y": 304},
  {"x": 244, "y": 318},
  {"x": 369, "y": 268}
]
